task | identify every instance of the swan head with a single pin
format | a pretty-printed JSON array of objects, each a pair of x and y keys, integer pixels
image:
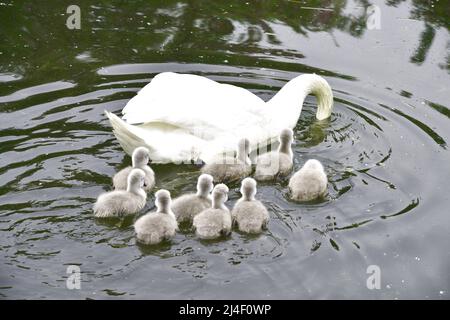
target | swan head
[
  {"x": 313, "y": 164},
  {"x": 163, "y": 200},
  {"x": 220, "y": 195},
  {"x": 204, "y": 185},
  {"x": 324, "y": 95},
  {"x": 140, "y": 157},
  {"x": 294, "y": 93},
  {"x": 244, "y": 150},
  {"x": 248, "y": 188},
  {"x": 135, "y": 180},
  {"x": 286, "y": 137}
]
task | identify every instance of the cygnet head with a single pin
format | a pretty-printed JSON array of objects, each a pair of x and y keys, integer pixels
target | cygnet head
[
  {"x": 204, "y": 185},
  {"x": 140, "y": 157},
  {"x": 313, "y": 164},
  {"x": 163, "y": 201},
  {"x": 135, "y": 180},
  {"x": 244, "y": 150},
  {"x": 286, "y": 138},
  {"x": 248, "y": 189},
  {"x": 220, "y": 196}
]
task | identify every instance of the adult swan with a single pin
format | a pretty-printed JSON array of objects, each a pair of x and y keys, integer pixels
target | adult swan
[{"x": 185, "y": 118}]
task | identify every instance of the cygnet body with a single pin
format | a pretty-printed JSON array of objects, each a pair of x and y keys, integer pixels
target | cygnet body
[
  {"x": 276, "y": 163},
  {"x": 187, "y": 206},
  {"x": 308, "y": 183},
  {"x": 154, "y": 227},
  {"x": 139, "y": 160},
  {"x": 249, "y": 214},
  {"x": 216, "y": 221},
  {"x": 123, "y": 202},
  {"x": 229, "y": 169}
]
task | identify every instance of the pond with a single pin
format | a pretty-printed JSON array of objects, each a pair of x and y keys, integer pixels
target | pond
[{"x": 385, "y": 148}]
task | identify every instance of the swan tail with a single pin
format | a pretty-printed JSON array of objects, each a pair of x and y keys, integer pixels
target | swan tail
[{"x": 125, "y": 133}]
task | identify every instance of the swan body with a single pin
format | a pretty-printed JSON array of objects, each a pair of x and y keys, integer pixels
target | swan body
[
  {"x": 154, "y": 227},
  {"x": 249, "y": 214},
  {"x": 308, "y": 183},
  {"x": 185, "y": 118},
  {"x": 139, "y": 159},
  {"x": 123, "y": 202},
  {"x": 188, "y": 206},
  {"x": 225, "y": 168},
  {"x": 276, "y": 163},
  {"x": 216, "y": 221}
]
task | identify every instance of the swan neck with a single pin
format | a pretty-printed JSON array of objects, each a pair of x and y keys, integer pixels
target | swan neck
[
  {"x": 218, "y": 204},
  {"x": 289, "y": 100},
  {"x": 202, "y": 193},
  {"x": 249, "y": 197},
  {"x": 135, "y": 189},
  {"x": 242, "y": 156},
  {"x": 285, "y": 148},
  {"x": 163, "y": 208}
]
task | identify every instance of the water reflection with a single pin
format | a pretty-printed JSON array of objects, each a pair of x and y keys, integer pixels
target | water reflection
[{"x": 190, "y": 30}]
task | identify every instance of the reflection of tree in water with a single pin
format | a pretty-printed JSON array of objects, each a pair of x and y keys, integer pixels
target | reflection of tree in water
[
  {"x": 435, "y": 14},
  {"x": 246, "y": 26},
  {"x": 161, "y": 30}
]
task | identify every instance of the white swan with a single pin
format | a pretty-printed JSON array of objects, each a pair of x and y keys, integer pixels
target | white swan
[
  {"x": 216, "y": 221},
  {"x": 227, "y": 168},
  {"x": 123, "y": 202},
  {"x": 184, "y": 117},
  {"x": 249, "y": 214},
  {"x": 308, "y": 183},
  {"x": 139, "y": 159},
  {"x": 154, "y": 227},
  {"x": 187, "y": 206},
  {"x": 276, "y": 163}
]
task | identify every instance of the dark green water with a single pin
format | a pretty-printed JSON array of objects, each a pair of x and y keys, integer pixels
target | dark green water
[{"x": 385, "y": 148}]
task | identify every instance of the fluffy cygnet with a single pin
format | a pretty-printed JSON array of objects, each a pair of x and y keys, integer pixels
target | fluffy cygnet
[
  {"x": 154, "y": 227},
  {"x": 122, "y": 202},
  {"x": 228, "y": 169},
  {"x": 308, "y": 183},
  {"x": 249, "y": 214},
  {"x": 276, "y": 163},
  {"x": 216, "y": 221},
  {"x": 188, "y": 206},
  {"x": 139, "y": 159}
]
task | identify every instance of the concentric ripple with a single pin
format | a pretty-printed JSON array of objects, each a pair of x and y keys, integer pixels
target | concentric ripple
[{"x": 60, "y": 154}]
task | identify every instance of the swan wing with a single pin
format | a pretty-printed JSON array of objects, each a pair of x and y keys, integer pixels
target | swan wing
[{"x": 195, "y": 103}]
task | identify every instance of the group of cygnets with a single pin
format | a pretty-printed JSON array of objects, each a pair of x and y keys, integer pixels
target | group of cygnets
[{"x": 206, "y": 209}]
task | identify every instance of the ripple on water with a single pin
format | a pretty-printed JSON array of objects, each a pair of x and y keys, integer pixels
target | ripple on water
[{"x": 62, "y": 154}]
